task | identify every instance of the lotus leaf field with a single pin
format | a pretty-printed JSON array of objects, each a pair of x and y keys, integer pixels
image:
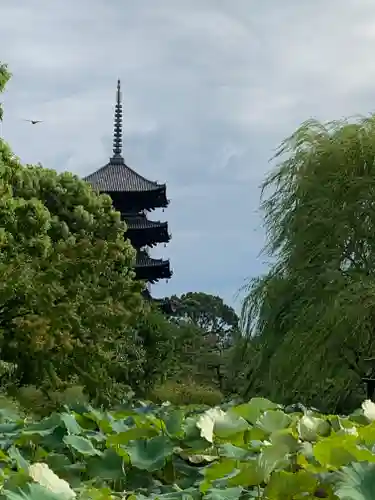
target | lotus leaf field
[{"x": 257, "y": 450}]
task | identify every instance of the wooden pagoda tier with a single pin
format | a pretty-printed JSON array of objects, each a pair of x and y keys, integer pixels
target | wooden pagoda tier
[
  {"x": 130, "y": 192},
  {"x": 133, "y": 196},
  {"x": 151, "y": 270},
  {"x": 143, "y": 232}
]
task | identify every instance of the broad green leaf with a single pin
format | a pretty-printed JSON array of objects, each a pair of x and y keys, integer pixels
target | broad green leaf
[
  {"x": 273, "y": 420},
  {"x": 81, "y": 444},
  {"x": 219, "y": 469},
  {"x": 107, "y": 467},
  {"x": 357, "y": 417},
  {"x": 117, "y": 426},
  {"x": 191, "y": 430},
  {"x": 9, "y": 427},
  {"x": 44, "y": 427},
  {"x": 367, "y": 434},
  {"x": 9, "y": 414},
  {"x": 125, "y": 437},
  {"x": 286, "y": 438},
  {"x": 256, "y": 471},
  {"x": 230, "y": 451},
  {"x": 255, "y": 434},
  {"x": 70, "y": 423},
  {"x": 160, "y": 455},
  {"x": 97, "y": 437},
  {"x": 356, "y": 482},
  {"x": 251, "y": 474},
  {"x": 188, "y": 494},
  {"x": 223, "y": 494},
  {"x": 15, "y": 455},
  {"x": 252, "y": 410},
  {"x": 285, "y": 485},
  {"x": 229, "y": 425},
  {"x": 336, "y": 451},
  {"x": 273, "y": 457},
  {"x": 174, "y": 422},
  {"x": 34, "y": 492},
  {"x": 150, "y": 454},
  {"x": 57, "y": 461},
  {"x": 95, "y": 415},
  {"x": 100, "y": 494},
  {"x": 192, "y": 434}
]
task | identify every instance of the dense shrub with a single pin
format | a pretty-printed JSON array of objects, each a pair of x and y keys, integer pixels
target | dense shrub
[
  {"x": 186, "y": 393},
  {"x": 39, "y": 403}
]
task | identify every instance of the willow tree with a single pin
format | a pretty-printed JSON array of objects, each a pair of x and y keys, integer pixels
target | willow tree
[{"x": 312, "y": 317}]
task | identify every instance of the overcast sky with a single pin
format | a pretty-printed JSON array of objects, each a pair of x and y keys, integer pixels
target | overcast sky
[{"x": 210, "y": 88}]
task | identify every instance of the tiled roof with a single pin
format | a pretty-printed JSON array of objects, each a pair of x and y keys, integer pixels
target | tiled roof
[
  {"x": 117, "y": 176},
  {"x": 143, "y": 260},
  {"x": 141, "y": 222}
]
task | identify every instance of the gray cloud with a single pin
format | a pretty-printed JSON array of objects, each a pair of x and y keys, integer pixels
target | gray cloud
[{"x": 209, "y": 89}]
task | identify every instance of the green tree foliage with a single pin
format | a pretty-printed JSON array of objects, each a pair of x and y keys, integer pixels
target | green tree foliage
[
  {"x": 311, "y": 318},
  {"x": 211, "y": 329},
  {"x": 67, "y": 293},
  {"x": 209, "y": 313},
  {"x": 160, "y": 340},
  {"x": 173, "y": 354},
  {"x": 4, "y": 78}
]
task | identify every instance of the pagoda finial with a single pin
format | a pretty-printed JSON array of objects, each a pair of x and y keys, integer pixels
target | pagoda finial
[{"x": 117, "y": 129}]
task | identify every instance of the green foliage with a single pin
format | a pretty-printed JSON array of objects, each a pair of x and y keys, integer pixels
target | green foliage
[
  {"x": 159, "y": 339},
  {"x": 311, "y": 318},
  {"x": 68, "y": 298},
  {"x": 4, "y": 78},
  {"x": 187, "y": 392},
  {"x": 40, "y": 403},
  {"x": 209, "y": 330},
  {"x": 67, "y": 294},
  {"x": 209, "y": 313},
  {"x": 257, "y": 449},
  {"x": 357, "y": 482}
]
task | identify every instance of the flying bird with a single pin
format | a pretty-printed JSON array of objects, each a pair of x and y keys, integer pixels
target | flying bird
[{"x": 33, "y": 122}]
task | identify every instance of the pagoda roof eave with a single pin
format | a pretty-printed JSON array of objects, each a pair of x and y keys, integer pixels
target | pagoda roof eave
[
  {"x": 116, "y": 176},
  {"x": 151, "y": 270},
  {"x": 141, "y": 222},
  {"x": 143, "y": 260}
]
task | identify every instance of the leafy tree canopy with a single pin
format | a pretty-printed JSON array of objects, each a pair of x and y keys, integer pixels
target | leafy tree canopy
[
  {"x": 311, "y": 317},
  {"x": 67, "y": 290},
  {"x": 209, "y": 313},
  {"x": 207, "y": 329}
]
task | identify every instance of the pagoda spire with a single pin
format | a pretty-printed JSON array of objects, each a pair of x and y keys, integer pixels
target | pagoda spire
[
  {"x": 133, "y": 195},
  {"x": 117, "y": 128}
]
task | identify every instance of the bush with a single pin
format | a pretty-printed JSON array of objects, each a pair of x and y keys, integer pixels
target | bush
[
  {"x": 40, "y": 403},
  {"x": 186, "y": 393}
]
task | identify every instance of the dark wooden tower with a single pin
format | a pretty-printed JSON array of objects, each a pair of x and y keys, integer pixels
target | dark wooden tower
[{"x": 134, "y": 197}]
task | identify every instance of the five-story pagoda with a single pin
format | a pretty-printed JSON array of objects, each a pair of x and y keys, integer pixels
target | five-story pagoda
[{"x": 134, "y": 196}]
